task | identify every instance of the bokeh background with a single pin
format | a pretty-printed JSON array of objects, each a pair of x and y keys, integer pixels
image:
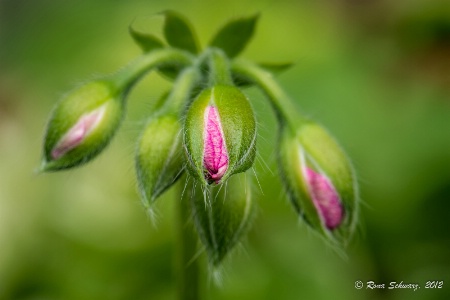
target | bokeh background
[{"x": 376, "y": 73}]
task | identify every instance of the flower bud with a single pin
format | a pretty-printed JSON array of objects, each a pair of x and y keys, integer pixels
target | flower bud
[
  {"x": 219, "y": 134},
  {"x": 226, "y": 216},
  {"x": 81, "y": 125},
  {"x": 319, "y": 180},
  {"x": 159, "y": 158}
]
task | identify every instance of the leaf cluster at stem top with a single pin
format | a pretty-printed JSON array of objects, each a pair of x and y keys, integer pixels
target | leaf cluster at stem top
[{"x": 179, "y": 33}]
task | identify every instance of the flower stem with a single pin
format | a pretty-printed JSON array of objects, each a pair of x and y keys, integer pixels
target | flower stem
[
  {"x": 182, "y": 89},
  {"x": 132, "y": 73},
  {"x": 285, "y": 109},
  {"x": 188, "y": 266},
  {"x": 219, "y": 68}
]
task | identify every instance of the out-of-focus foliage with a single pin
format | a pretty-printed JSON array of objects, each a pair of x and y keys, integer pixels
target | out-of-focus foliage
[{"x": 376, "y": 73}]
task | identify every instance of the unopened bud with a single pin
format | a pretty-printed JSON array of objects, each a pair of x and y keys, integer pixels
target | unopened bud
[
  {"x": 81, "y": 125},
  {"x": 159, "y": 158},
  {"x": 319, "y": 180},
  {"x": 223, "y": 218},
  {"x": 219, "y": 134}
]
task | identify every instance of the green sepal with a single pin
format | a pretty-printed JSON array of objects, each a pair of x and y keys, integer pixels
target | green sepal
[
  {"x": 290, "y": 166},
  {"x": 68, "y": 111},
  {"x": 238, "y": 125},
  {"x": 179, "y": 33},
  {"x": 275, "y": 68},
  {"x": 235, "y": 35},
  {"x": 223, "y": 215},
  {"x": 159, "y": 157}
]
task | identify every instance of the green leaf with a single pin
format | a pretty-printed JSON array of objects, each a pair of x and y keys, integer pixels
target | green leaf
[
  {"x": 276, "y": 68},
  {"x": 179, "y": 32},
  {"x": 235, "y": 35},
  {"x": 147, "y": 42}
]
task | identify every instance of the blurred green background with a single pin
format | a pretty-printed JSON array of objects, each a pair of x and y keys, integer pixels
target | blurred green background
[{"x": 376, "y": 73}]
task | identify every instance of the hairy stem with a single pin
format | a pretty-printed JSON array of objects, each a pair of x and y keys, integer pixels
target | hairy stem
[
  {"x": 132, "y": 73},
  {"x": 188, "y": 266},
  {"x": 219, "y": 68},
  {"x": 285, "y": 109},
  {"x": 182, "y": 89}
]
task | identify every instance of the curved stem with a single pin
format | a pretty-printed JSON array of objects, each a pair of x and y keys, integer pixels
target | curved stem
[
  {"x": 132, "y": 73},
  {"x": 219, "y": 68},
  {"x": 282, "y": 104},
  {"x": 182, "y": 89},
  {"x": 188, "y": 267}
]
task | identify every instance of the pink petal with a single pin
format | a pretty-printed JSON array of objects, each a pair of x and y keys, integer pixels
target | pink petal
[
  {"x": 215, "y": 156},
  {"x": 75, "y": 136},
  {"x": 325, "y": 198}
]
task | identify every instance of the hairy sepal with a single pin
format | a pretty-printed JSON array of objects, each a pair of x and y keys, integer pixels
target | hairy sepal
[
  {"x": 159, "y": 157},
  {"x": 70, "y": 110},
  {"x": 223, "y": 215}
]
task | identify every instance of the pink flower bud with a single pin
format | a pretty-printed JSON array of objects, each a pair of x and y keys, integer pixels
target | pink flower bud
[
  {"x": 325, "y": 198},
  {"x": 319, "y": 181},
  {"x": 219, "y": 135},
  {"x": 215, "y": 157},
  {"x": 82, "y": 125},
  {"x": 75, "y": 136}
]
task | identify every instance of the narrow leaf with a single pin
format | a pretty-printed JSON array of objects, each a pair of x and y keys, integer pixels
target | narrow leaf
[
  {"x": 276, "y": 68},
  {"x": 235, "y": 35},
  {"x": 147, "y": 42},
  {"x": 179, "y": 32}
]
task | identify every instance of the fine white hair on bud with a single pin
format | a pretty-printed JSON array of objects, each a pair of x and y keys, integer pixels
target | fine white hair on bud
[
  {"x": 159, "y": 155},
  {"x": 319, "y": 180},
  {"x": 219, "y": 135},
  {"x": 82, "y": 125},
  {"x": 205, "y": 125}
]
